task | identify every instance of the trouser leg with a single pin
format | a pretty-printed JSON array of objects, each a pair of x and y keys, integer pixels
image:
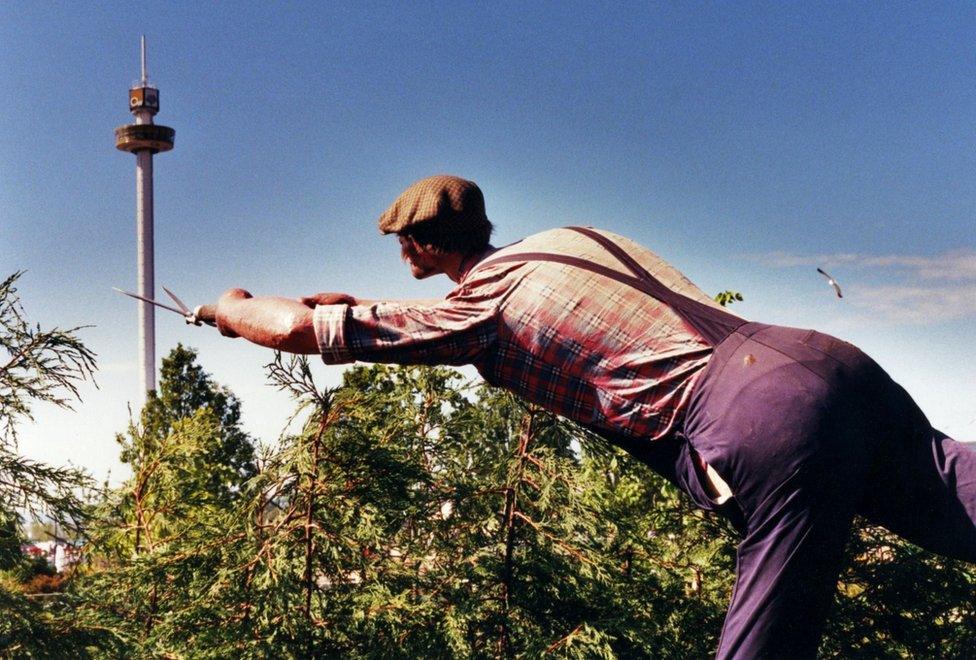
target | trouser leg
[
  {"x": 807, "y": 430},
  {"x": 779, "y": 420},
  {"x": 923, "y": 483},
  {"x": 787, "y": 569}
]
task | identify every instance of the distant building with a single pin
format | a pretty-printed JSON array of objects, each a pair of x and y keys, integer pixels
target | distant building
[{"x": 59, "y": 554}]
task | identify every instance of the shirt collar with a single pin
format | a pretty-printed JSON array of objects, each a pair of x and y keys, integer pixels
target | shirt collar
[{"x": 472, "y": 260}]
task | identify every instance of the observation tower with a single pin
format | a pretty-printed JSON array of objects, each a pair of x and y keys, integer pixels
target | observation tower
[{"x": 144, "y": 138}]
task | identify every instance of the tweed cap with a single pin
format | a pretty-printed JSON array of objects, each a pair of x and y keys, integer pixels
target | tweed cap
[{"x": 442, "y": 197}]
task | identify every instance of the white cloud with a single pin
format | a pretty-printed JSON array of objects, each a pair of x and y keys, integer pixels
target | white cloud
[
  {"x": 952, "y": 265},
  {"x": 898, "y": 288},
  {"x": 918, "y": 304}
]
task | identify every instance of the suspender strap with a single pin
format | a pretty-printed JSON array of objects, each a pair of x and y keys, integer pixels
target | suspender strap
[
  {"x": 713, "y": 324},
  {"x": 615, "y": 250},
  {"x": 570, "y": 260}
]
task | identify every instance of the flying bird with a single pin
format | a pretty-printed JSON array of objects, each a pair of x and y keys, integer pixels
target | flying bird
[{"x": 831, "y": 281}]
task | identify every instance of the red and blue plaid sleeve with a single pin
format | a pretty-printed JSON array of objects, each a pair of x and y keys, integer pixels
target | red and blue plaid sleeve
[{"x": 454, "y": 331}]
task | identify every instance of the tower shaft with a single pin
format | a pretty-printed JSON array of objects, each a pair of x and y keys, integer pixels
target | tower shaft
[{"x": 146, "y": 285}]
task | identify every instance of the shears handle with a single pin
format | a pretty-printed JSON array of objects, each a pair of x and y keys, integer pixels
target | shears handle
[{"x": 206, "y": 314}]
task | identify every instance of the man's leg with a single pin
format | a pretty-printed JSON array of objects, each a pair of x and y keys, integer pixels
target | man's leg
[
  {"x": 787, "y": 570},
  {"x": 923, "y": 483},
  {"x": 782, "y": 422}
]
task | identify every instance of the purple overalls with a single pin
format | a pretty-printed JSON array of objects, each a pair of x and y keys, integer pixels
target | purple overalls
[{"x": 807, "y": 431}]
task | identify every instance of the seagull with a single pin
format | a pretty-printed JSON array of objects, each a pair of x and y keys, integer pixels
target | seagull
[{"x": 831, "y": 281}]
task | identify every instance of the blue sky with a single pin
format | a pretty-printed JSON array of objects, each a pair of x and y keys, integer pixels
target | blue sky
[{"x": 748, "y": 143}]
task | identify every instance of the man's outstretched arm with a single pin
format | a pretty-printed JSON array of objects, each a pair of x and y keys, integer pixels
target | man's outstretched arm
[
  {"x": 284, "y": 324},
  {"x": 452, "y": 331}
]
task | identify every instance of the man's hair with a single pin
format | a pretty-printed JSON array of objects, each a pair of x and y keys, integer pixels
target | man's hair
[{"x": 443, "y": 237}]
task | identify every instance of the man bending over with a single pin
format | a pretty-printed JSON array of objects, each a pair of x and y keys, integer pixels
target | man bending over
[{"x": 788, "y": 433}]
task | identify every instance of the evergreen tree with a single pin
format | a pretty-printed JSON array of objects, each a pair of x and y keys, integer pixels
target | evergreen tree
[
  {"x": 190, "y": 465},
  {"x": 416, "y": 515},
  {"x": 184, "y": 390},
  {"x": 38, "y": 366},
  {"x": 896, "y": 600}
]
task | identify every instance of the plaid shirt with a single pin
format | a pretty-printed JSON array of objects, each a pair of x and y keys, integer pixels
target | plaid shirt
[{"x": 578, "y": 343}]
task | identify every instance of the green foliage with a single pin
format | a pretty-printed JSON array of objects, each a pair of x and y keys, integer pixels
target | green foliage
[
  {"x": 10, "y": 539},
  {"x": 52, "y": 628},
  {"x": 185, "y": 390},
  {"x": 190, "y": 463},
  {"x": 726, "y": 298},
  {"x": 30, "y": 567},
  {"x": 896, "y": 600},
  {"x": 38, "y": 366},
  {"x": 413, "y": 515},
  {"x": 676, "y": 562}
]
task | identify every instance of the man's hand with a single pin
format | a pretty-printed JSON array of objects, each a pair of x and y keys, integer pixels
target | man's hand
[{"x": 327, "y": 298}]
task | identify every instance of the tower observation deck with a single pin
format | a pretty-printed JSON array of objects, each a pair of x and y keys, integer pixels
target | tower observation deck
[
  {"x": 144, "y": 138},
  {"x": 144, "y": 135}
]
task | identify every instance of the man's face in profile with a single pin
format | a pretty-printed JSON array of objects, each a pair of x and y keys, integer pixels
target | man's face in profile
[{"x": 422, "y": 263}]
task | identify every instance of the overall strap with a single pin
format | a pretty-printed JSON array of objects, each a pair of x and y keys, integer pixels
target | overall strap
[{"x": 713, "y": 324}]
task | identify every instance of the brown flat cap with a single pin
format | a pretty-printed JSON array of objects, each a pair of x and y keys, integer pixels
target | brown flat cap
[{"x": 442, "y": 197}]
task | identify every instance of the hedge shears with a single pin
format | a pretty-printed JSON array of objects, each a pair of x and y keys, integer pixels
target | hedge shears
[{"x": 202, "y": 314}]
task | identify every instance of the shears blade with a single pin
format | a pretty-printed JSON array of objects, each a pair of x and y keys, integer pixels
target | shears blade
[
  {"x": 179, "y": 303},
  {"x": 152, "y": 302}
]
